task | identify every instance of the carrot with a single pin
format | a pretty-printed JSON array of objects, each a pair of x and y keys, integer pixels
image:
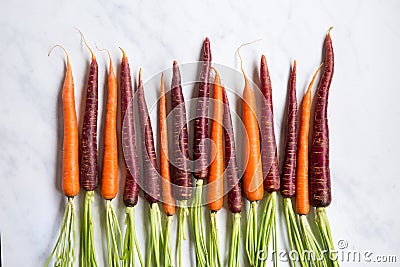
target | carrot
[
  {"x": 88, "y": 146},
  {"x": 320, "y": 182},
  {"x": 252, "y": 176},
  {"x": 233, "y": 183},
  {"x": 200, "y": 153},
  {"x": 131, "y": 189},
  {"x": 64, "y": 249},
  {"x": 289, "y": 171},
  {"x": 168, "y": 199},
  {"x": 150, "y": 180},
  {"x": 269, "y": 156},
  {"x": 89, "y": 167},
  {"x": 200, "y": 150},
  {"x": 180, "y": 165},
  {"x": 215, "y": 179},
  {"x": 302, "y": 202},
  {"x": 151, "y": 185}
]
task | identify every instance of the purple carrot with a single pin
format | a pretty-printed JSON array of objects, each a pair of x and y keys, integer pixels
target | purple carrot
[
  {"x": 231, "y": 168},
  {"x": 200, "y": 150},
  {"x": 180, "y": 160},
  {"x": 88, "y": 145},
  {"x": 269, "y": 153},
  {"x": 151, "y": 183},
  {"x": 320, "y": 181},
  {"x": 131, "y": 189},
  {"x": 288, "y": 182}
]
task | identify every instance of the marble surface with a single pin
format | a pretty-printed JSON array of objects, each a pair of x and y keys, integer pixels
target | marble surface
[{"x": 363, "y": 109}]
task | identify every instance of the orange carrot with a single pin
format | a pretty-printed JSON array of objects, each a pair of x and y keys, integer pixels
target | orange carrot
[
  {"x": 302, "y": 197},
  {"x": 64, "y": 250},
  {"x": 168, "y": 199},
  {"x": 252, "y": 176},
  {"x": 109, "y": 181},
  {"x": 215, "y": 178},
  {"x": 70, "y": 159}
]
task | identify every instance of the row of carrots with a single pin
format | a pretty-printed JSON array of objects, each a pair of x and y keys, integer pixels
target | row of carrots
[{"x": 172, "y": 180}]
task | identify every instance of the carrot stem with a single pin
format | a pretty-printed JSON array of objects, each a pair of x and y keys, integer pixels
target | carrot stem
[
  {"x": 168, "y": 262},
  {"x": 326, "y": 236},
  {"x": 64, "y": 249},
  {"x": 315, "y": 254},
  {"x": 88, "y": 252},
  {"x": 130, "y": 240},
  {"x": 268, "y": 231},
  {"x": 215, "y": 258},
  {"x": 251, "y": 233},
  {"x": 235, "y": 243},
  {"x": 183, "y": 213},
  {"x": 155, "y": 236},
  {"x": 114, "y": 237},
  {"x": 295, "y": 240},
  {"x": 197, "y": 226}
]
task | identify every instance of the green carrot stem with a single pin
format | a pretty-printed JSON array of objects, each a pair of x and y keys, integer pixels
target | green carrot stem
[
  {"x": 88, "y": 252},
  {"x": 183, "y": 213},
  {"x": 130, "y": 241},
  {"x": 114, "y": 236},
  {"x": 326, "y": 236},
  {"x": 64, "y": 249},
  {"x": 295, "y": 239},
  {"x": 235, "y": 243},
  {"x": 267, "y": 232},
  {"x": 197, "y": 226},
  {"x": 167, "y": 243},
  {"x": 215, "y": 258},
  {"x": 315, "y": 255},
  {"x": 251, "y": 234},
  {"x": 155, "y": 236}
]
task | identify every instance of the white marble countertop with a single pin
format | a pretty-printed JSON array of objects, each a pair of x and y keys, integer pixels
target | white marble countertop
[{"x": 363, "y": 111}]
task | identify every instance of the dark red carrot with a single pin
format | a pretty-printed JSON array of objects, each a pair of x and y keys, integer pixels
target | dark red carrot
[
  {"x": 180, "y": 160},
  {"x": 151, "y": 183},
  {"x": 88, "y": 145},
  {"x": 231, "y": 169},
  {"x": 128, "y": 136},
  {"x": 320, "y": 182},
  {"x": 269, "y": 153},
  {"x": 288, "y": 182},
  {"x": 200, "y": 150}
]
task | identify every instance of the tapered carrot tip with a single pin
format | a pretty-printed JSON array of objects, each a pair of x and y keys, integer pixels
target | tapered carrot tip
[
  {"x": 294, "y": 64},
  {"x": 263, "y": 58},
  {"x": 123, "y": 53},
  {"x": 175, "y": 63},
  {"x": 329, "y": 31},
  {"x": 207, "y": 40}
]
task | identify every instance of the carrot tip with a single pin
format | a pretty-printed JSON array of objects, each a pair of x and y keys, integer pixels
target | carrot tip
[
  {"x": 207, "y": 40},
  {"x": 175, "y": 63},
  {"x": 123, "y": 53},
  {"x": 86, "y": 44},
  {"x": 329, "y": 31}
]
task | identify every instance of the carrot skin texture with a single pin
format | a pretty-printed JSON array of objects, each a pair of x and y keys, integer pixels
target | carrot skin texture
[
  {"x": 131, "y": 189},
  {"x": 109, "y": 181},
  {"x": 200, "y": 150},
  {"x": 302, "y": 193},
  {"x": 70, "y": 158},
  {"x": 252, "y": 176},
  {"x": 320, "y": 182},
  {"x": 88, "y": 148},
  {"x": 269, "y": 151},
  {"x": 168, "y": 199},
  {"x": 151, "y": 183},
  {"x": 180, "y": 161},
  {"x": 216, "y": 174},
  {"x": 288, "y": 182},
  {"x": 231, "y": 169}
]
